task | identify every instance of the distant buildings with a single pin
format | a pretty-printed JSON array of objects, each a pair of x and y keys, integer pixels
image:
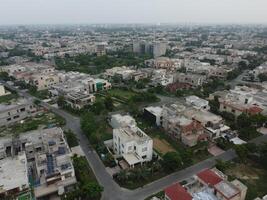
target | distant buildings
[
  {"x": 207, "y": 184},
  {"x": 155, "y": 48},
  {"x": 101, "y": 49}
]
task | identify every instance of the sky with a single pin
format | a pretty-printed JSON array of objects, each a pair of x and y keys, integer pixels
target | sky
[{"x": 132, "y": 11}]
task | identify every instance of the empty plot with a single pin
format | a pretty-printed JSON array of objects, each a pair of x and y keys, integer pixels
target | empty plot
[{"x": 162, "y": 146}]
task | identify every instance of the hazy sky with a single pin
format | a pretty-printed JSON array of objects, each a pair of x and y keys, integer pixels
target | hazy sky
[{"x": 132, "y": 11}]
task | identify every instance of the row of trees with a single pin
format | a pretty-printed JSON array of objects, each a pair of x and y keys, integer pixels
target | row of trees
[
  {"x": 87, "y": 187},
  {"x": 94, "y": 64}
]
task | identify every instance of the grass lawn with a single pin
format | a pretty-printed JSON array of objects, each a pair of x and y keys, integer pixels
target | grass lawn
[
  {"x": 83, "y": 171},
  {"x": 41, "y": 94},
  {"x": 253, "y": 176},
  {"x": 162, "y": 146},
  {"x": 121, "y": 94},
  {"x": 8, "y": 98},
  {"x": 71, "y": 138}
]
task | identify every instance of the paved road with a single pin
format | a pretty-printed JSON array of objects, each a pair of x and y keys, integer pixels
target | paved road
[{"x": 112, "y": 191}]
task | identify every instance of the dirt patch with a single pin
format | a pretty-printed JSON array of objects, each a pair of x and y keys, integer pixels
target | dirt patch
[
  {"x": 162, "y": 146},
  {"x": 245, "y": 172},
  {"x": 215, "y": 151}
]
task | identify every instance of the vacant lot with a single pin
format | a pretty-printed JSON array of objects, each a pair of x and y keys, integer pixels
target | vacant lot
[
  {"x": 253, "y": 176},
  {"x": 162, "y": 146},
  {"x": 42, "y": 120},
  {"x": 121, "y": 94}
]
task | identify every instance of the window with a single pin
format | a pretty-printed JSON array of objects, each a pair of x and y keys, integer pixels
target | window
[{"x": 144, "y": 149}]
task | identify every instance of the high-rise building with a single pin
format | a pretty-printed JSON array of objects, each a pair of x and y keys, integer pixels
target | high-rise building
[{"x": 155, "y": 48}]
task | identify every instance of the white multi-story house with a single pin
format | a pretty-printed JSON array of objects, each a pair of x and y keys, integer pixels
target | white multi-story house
[{"x": 133, "y": 145}]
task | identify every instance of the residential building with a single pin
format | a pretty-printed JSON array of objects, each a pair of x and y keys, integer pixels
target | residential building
[
  {"x": 14, "y": 112},
  {"x": 133, "y": 145},
  {"x": 161, "y": 63},
  {"x": 197, "y": 102},
  {"x": 44, "y": 81},
  {"x": 240, "y": 100},
  {"x": 208, "y": 184},
  {"x": 14, "y": 181},
  {"x": 154, "y": 115},
  {"x": 176, "y": 192},
  {"x": 78, "y": 100},
  {"x": 180, "y": 127},
  {"x": 213, "y": 124},
  {"x": 48, "y": 159},
  {"x": 194, "y": 80}
]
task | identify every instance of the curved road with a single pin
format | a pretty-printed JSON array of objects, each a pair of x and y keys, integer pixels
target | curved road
[{"x": 112, "y": 191}]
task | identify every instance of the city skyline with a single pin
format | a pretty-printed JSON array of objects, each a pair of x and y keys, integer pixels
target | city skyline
[{"x": 132, "y": 11}]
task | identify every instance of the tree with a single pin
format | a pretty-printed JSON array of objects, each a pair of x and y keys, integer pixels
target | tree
[
  {"x": 263, "y": 155},
  {"x": 222, "y": 165},
  {"x": 243, "y": 121},
  {"x": 215, "y": 105},
  {"x": 61, "y": 101},
  {"x": 98, "y": 107},
  {"x": 88, "y": 123},
  {"x": 109, "y": 103},
  {"x": 91, "y": 190},
  {"x": 172, "y": 161},
  {"x": 262, "y": 77},
  {"x": 242, "y": 152},
  {"x": 36, "y": 101},
  {"x": 122, "y": 176}
]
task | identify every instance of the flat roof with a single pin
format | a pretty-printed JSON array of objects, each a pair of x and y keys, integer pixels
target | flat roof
[
  {"x": 227, "y": 189},
  {"x": 14, "y": 172},
  {"x": 206, "y": 194},
  {"x": 155, "y": 110}
]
